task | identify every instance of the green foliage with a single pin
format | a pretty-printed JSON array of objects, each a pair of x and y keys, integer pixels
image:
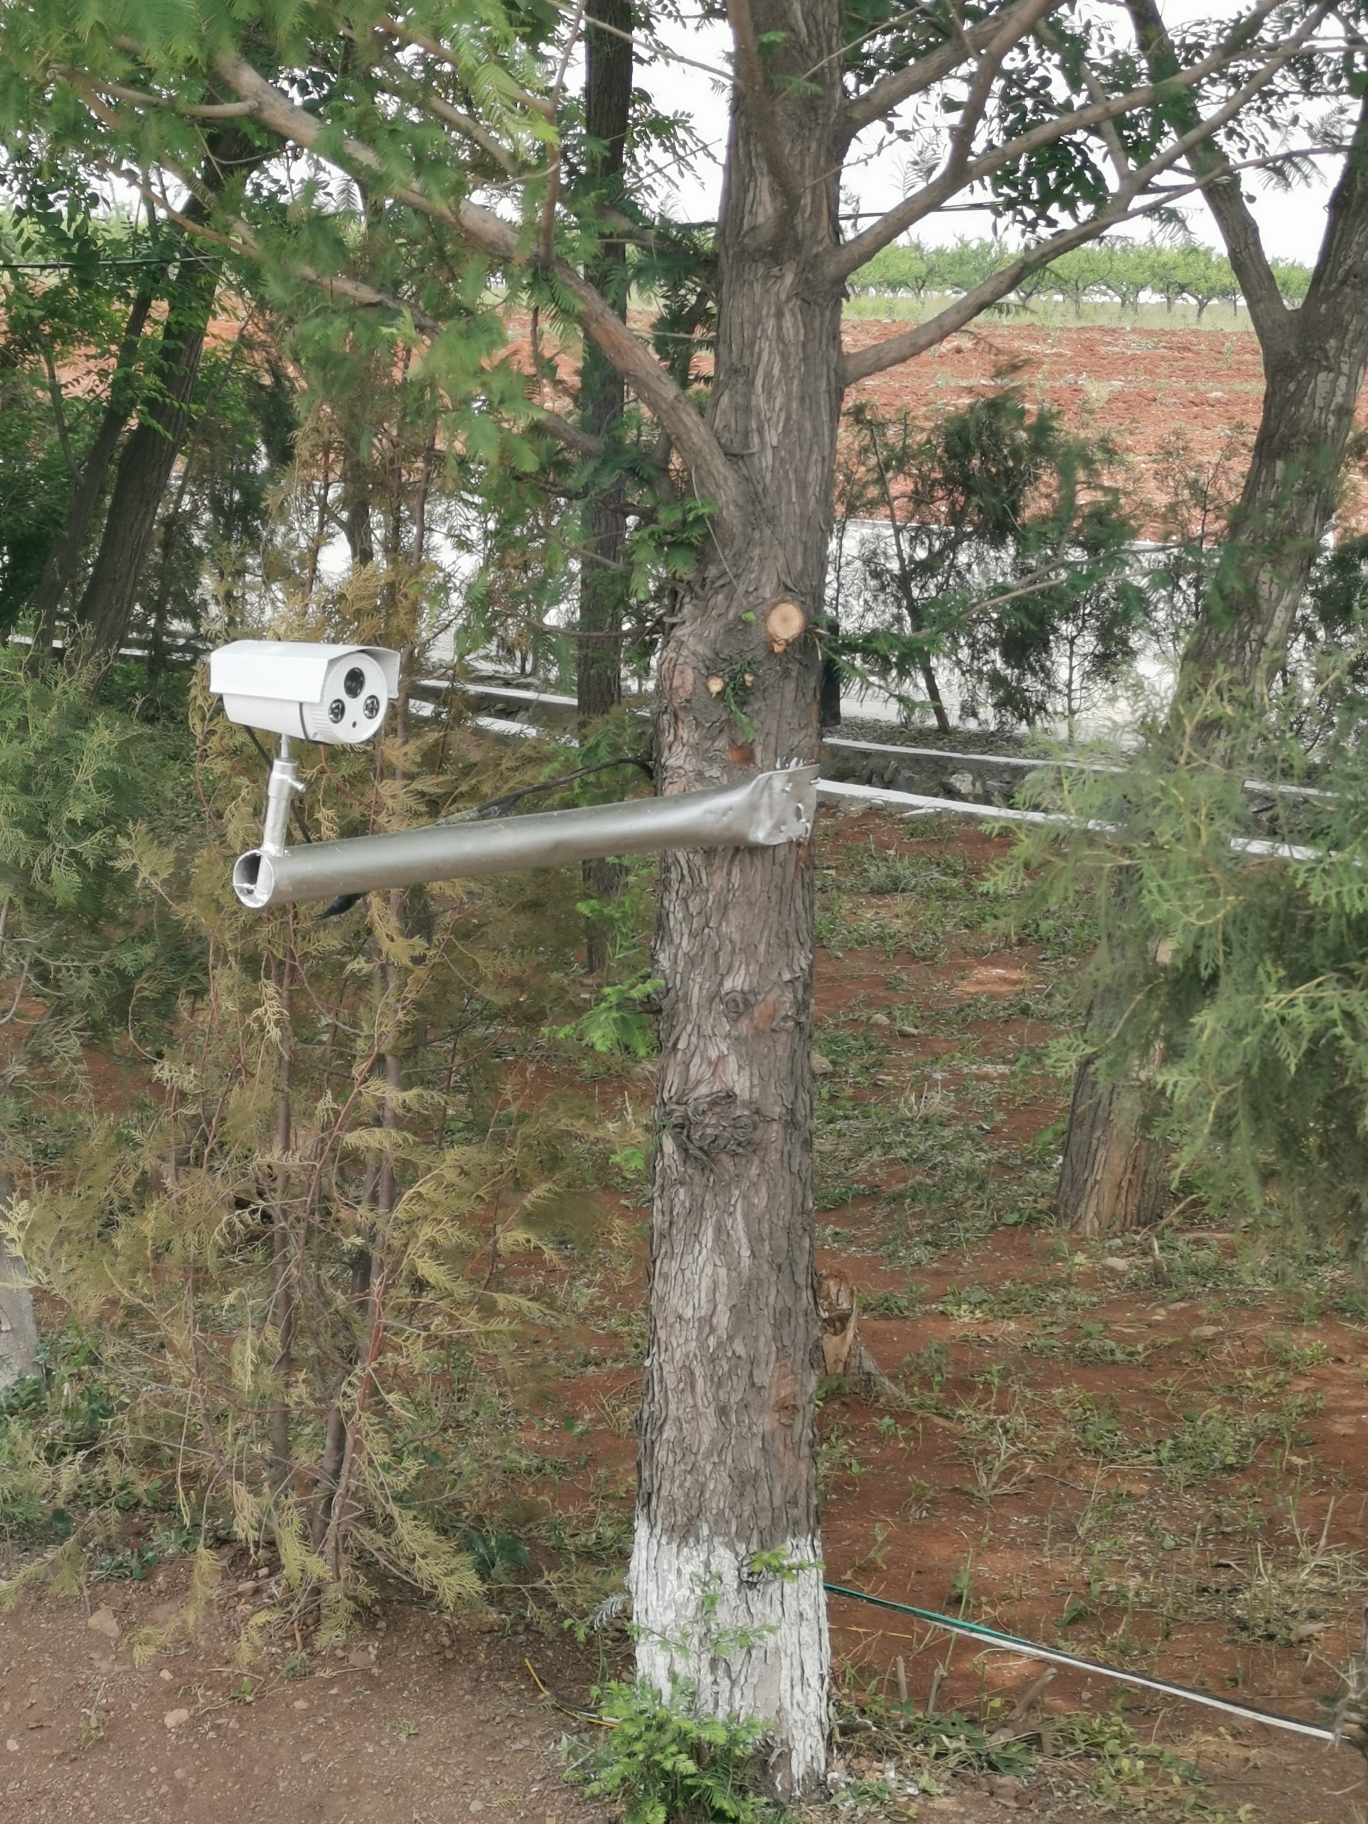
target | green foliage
[
  {"x": 1008, "y": 558},
  {"x": 616, "y": 1022},
  {"x": 497, "y": 1557},
  {"x": 666, "y": 1763},
  {"x": 75, "y": 782},
  {"x": 1243, "y": 915},
  {"x": 295, "y": 1205}
]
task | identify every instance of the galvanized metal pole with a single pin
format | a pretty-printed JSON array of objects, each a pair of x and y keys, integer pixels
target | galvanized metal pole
[{"x": 769, "y": 809}]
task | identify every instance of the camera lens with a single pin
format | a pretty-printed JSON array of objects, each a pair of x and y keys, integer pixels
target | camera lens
[
  {"x": 354, "y": 682},
  {"x": 371, "y": 708},
  {"x": 336, "y": 710}
]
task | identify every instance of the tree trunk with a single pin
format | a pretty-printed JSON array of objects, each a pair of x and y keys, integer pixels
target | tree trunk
[
  {"x": 145, "y": 465},
  {"x": 1314, "y": 363},
  {"x": 598, "y": 658},
  {"x": 66, "y": 553},
  {"x": 1286, "y": 505},
  {"x": 725, "y": 1578},
  {"x": 149, "y": 455},
  {"x": 1112, "y": 1178},
  {"x": 607, "y": 108}
]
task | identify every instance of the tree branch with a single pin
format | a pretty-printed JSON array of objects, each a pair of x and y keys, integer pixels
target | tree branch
[
  {"x": 490, "y": 234},
  {"x": 401, "y": 84},
  {"x": 1339, "y": 265},
  {"x": 215, "y": 110},
  {"x": 998, "y": 33},
  {"x": 852, "y": 254},
  {"x": 357, "y": 291},
  {"x": 1240, "y": 232},
  {"x": 894, "y": 350},
  {"x": 395, "y": 28},
  {"x": 547, "y": 237}
]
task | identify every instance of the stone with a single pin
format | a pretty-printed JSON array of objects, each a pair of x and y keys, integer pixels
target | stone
[
  {"x": 12, "y": 1745},
  {"x": 103, "y": 1622},
  {"x": 821, "y": 1067},
  {"x": 174, "y": 1719},
  {"x": 1114, "y": 1264},
  {"x": 1205, "y": 1332},
  {"x": 879, "y": 1019}
]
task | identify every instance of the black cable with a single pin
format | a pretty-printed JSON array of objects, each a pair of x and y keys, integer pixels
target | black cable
[{"x": 496, "y": 806}]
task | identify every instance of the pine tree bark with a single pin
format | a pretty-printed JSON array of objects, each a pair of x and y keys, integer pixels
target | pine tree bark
[
  {"x": 145, "y": 464},
  {"x": 1112, "y": 1177},
  {"x": 725, "y": 1577}
]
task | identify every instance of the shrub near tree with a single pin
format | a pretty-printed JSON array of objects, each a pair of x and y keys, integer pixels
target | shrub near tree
[
  {"x": 278, "y": 1271},
  {"x": 1006, "y": 560}
]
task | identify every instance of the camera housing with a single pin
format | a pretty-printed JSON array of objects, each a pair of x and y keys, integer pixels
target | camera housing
[{"x": 306, "y": 689}]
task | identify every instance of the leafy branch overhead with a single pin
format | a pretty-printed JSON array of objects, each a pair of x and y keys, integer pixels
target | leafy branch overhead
[{"x": 452, "y": 134}]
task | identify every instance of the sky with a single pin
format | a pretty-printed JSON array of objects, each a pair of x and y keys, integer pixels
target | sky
[{"x": 1291, "y": 224}]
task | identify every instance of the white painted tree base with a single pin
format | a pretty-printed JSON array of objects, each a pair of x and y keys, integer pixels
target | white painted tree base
[{"x": 751, "y": 1644}]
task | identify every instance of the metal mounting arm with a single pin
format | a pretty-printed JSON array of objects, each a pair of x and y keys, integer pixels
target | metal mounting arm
[{"x": 770, "y": 809}]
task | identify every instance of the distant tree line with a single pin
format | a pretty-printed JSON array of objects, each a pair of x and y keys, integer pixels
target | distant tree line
[{"x": 1125, "y": 273}]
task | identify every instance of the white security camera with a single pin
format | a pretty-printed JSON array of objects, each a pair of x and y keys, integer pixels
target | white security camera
[{"x": 305, "y": 689}]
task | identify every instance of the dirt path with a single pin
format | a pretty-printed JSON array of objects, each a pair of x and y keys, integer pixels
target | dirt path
[
  {"x": 412, "y": 1723},
  {"x": 421, "y": 1722}
]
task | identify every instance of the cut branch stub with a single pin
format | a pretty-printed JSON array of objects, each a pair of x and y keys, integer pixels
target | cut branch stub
[{"x": 785, "y": 622}]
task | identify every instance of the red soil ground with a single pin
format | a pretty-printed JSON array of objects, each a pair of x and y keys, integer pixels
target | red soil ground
[
  {"x": 1031, "y": 1469},
  {"x": 1138, "y": 386}
]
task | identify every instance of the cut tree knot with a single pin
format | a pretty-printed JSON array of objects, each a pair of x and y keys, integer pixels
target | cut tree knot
[
  {"x": 785, "y": 622},
  {"x": 714, "y": 1124}
]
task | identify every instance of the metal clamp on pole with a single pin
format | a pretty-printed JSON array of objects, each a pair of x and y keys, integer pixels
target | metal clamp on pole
[{"x": 763, "y": 812}]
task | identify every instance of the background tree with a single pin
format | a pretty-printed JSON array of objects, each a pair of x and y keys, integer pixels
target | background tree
[{"x": 1315, "y": 354}]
